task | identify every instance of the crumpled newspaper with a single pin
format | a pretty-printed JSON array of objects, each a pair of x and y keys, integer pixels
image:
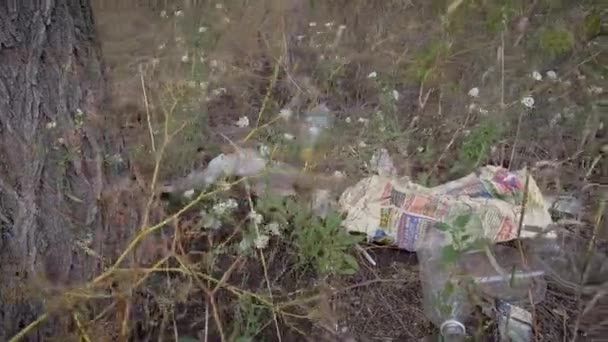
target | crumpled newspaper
[{"x": 399, "y": 212}]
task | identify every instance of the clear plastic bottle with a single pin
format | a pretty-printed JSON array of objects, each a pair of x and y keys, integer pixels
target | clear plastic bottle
[
  {"x": 496, "y": 272},
  {"x": 504, "y": 273},
  {"x": 445, "y": 298},
  {"x": 314, "y": 123}
]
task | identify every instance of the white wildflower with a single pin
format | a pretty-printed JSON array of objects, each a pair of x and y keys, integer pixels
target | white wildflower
[
  {"x": 474, "y": 92},
  {"x": 79, "y": 112},
  {"x": 552, "y": 75},
  {"x": 179, "y": 13},
  {"x": 264, "y": 150},
  {"x": 162, "y": 46},
  {"x": 314, "y": 131},
  {"x": 243, "y": 122},
  {"x": 222, "y": 207},
  {"x": 220, "y": 91},
  {"x": 339, "y": 174},
  {"x": 51, "y": 125},
  {"x": 364, "y": 121},
  {"x": 219, "y": 208},
  {"x": 185, "y": 58},
  {"x": 528, "y": 101},
  {"x": 372, "y": 74},
  {"x": 210, "y": 221},
  {"x": 285, "y": 114},
  {"x": 219, "y": 6},
  {"x": 537, "y": 76},
  {"x": 595, "y": 90},
  {"x": 555, "y": 119},
  {"x": 420, "y": 149},
  {"x": 189, "y": 193},
  {"x": 163, "y": 14},
  {"x": 231, "y": 203},
  {"x": 261, "y": 241},
  {"x": 395, "y": 95},
  {"x": 61, "y": 141},
  {"x": 255, "y": 217},
  {"x": 362, "y": 144},
  {"x": 288, "y": 136},
  {"x": 312, "y": 24},
  {"x": 348, "y": 119},
  {"x": 300, "y": 37},
  {"x": 329, "y": 24},
  {"x": 202, "y": 29},
  {"x": 274, "y": 228}
]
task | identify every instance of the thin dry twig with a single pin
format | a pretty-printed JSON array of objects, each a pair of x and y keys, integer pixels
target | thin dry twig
[{"x": 147, "y": 105}]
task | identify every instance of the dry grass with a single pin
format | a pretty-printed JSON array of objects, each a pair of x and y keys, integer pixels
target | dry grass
[{"x": 170, "y": 278}]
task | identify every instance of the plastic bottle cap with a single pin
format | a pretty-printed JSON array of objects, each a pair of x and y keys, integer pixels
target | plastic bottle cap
[{"x": 452, "y": 327}]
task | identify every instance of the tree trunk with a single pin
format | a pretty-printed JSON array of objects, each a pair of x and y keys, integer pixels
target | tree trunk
[{"x": 51, "y": 177}]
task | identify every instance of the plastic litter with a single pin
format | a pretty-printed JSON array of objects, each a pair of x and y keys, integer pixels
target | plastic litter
[
  {"x": 445, "y": 296},
  {"x": 569, "y": 258},
  {"x": 382, "y": 164},
  {"x": 514, "y": 322},
  {"x": 518, "y": 282},
  {"x": 242, "y": 163},
  {"x": 397, "y": 211},
  {"x": 564, "y": 206},
  {"x": 314, "y": 122},
  {"x": 498, "y": 274}
]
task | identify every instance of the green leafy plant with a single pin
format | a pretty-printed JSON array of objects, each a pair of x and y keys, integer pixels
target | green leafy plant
[
  {"x": 426, "y": 61},
  {"x": 462, "y": 231},
  {"x": 556, "y": 40},
  {"x": 477, "y": 145},
  {"x": 250, "y": 317},
  {"x": 322, "y": 244}
]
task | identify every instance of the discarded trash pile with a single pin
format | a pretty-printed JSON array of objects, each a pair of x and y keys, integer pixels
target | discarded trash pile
[
  {"x": 454, "y": 228},
  {"x": 397, "y": 211}
]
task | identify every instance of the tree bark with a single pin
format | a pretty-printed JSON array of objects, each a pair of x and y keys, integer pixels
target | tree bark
[{"x": 51, "y": 172}]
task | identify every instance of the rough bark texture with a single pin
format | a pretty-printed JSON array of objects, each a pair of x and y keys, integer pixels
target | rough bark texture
[{"x": 51, "y": 178}]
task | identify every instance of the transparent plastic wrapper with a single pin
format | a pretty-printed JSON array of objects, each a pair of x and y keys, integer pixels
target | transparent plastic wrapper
[{"x": 399, "y": 212}]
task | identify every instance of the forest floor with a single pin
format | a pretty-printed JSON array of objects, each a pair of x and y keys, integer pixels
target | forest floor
[{"x": 444, "y": 86}]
